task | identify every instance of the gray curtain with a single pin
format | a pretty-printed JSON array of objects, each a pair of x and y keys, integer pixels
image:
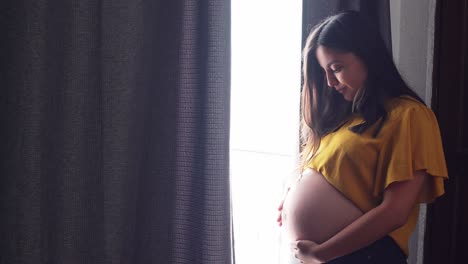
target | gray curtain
[{"x": 115, "y": 131}]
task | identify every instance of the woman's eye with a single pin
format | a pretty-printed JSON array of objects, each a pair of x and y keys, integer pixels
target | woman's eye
[{"x": 336, "y": 69}]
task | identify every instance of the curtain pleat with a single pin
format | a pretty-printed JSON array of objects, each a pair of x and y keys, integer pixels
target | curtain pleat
[{"x": 115, "y": 131}]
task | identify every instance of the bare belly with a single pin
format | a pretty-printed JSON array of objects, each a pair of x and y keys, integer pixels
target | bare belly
[{"x": 315, "y": 210}]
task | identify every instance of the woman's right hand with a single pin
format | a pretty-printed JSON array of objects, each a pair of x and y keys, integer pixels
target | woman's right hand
[{"x": 280, "y": 208}]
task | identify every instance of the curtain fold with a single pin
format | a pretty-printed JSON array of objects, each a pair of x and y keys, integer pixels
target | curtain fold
[{"x": 115, "y": 131}]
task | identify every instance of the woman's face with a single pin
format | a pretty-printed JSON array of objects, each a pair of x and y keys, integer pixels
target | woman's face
[{"x": 345, "y": 72}]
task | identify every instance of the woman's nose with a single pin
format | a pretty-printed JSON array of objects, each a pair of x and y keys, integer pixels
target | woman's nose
[{"x": 331, "y": 80}]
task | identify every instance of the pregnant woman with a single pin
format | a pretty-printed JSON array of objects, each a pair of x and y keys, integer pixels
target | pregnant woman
[{"x": 372, "y": 151}]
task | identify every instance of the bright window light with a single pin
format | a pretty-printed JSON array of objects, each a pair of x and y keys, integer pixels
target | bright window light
[{"x": 266, "y": 61}]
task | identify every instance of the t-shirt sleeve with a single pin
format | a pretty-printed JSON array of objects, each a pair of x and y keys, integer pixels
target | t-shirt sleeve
[{"x": 413, "y": 143}]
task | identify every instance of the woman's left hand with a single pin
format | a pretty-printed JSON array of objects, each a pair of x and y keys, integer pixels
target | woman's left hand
[{"x": 305, "y": 251}]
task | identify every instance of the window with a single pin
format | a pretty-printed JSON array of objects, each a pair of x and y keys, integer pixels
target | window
[{"x": 266, "y": 59}]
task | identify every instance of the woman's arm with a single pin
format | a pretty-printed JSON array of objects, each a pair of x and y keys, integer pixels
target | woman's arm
[{"x": 392, "y": 213}]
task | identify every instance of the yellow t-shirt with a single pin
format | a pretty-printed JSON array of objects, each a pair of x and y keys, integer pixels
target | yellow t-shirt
[{"x": 361, "y": 167}]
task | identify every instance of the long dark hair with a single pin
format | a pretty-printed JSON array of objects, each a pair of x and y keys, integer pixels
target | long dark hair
[{"x": 325, "y": 110}]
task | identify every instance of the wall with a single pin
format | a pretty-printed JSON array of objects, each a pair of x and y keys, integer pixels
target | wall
[{"x": 412, "y": 42}]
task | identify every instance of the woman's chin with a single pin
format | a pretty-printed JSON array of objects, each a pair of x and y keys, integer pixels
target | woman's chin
[{"x": 347, "y": 97}]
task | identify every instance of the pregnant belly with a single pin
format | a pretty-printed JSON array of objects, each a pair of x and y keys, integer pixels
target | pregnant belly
[{"x": 315, "y": 210}]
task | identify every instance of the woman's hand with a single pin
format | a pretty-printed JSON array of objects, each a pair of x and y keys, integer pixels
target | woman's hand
[
  {"x": 280, "y": 208},
  {"x": 305, "y": 251}
]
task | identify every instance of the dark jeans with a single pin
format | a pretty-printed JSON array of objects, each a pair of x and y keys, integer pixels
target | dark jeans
[{"x": 383, "y": 251}]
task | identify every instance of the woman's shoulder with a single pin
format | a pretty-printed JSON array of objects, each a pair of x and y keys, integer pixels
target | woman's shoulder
[{"x": 405, "y": 107}]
